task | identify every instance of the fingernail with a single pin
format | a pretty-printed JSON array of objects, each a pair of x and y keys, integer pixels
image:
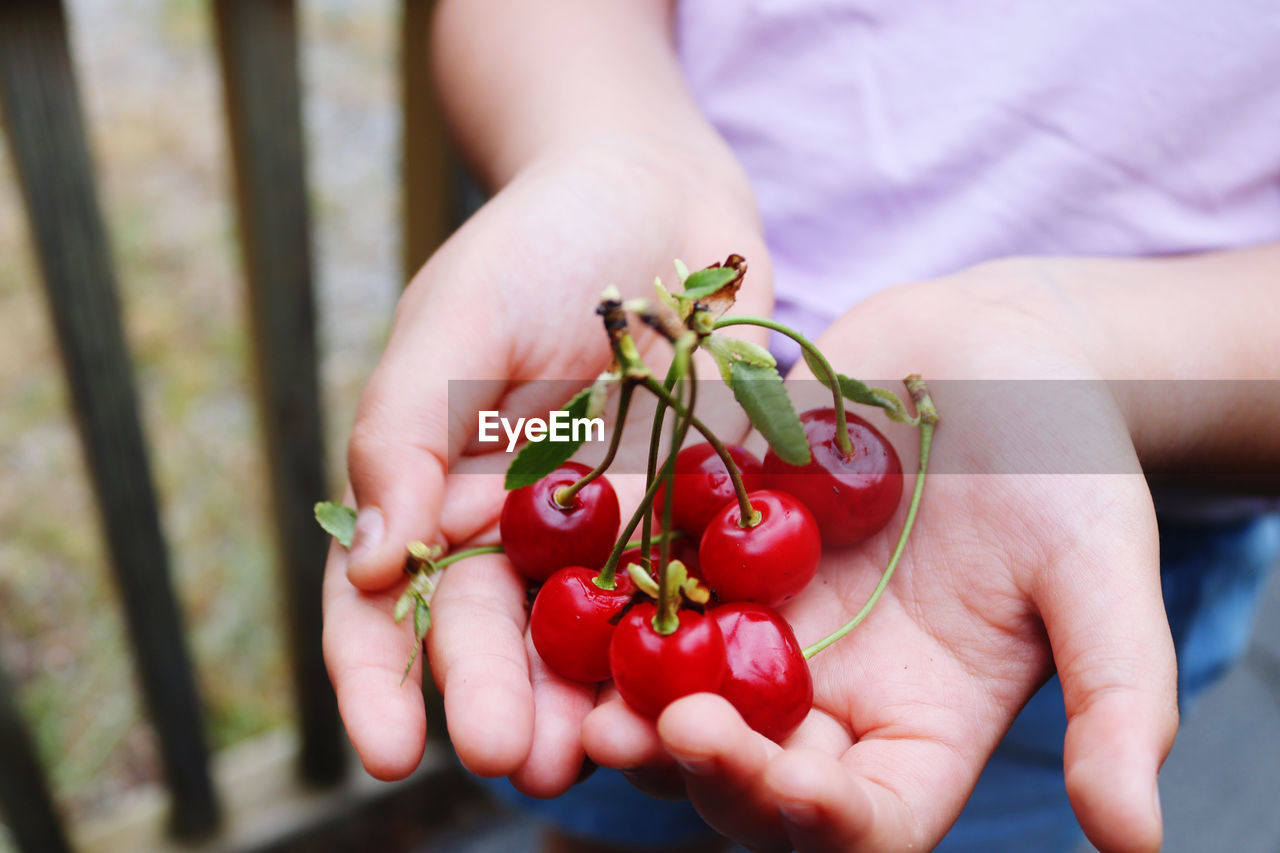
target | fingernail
[
  {"x": 370, "y": 527},
  {"x": 798, "y": 813},
  {"x": 698, "y": 765}
]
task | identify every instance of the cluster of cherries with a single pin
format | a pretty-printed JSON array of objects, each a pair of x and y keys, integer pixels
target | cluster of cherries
[
  {"x": 692, "y": 609},
  {"x": 591, "y": 622}
]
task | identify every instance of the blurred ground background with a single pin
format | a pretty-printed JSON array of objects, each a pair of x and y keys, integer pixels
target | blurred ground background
[
  {"x": 1220, "y": 782},
  {"x": 151, "y": 92},
  {"x": 153, "y": 101}
]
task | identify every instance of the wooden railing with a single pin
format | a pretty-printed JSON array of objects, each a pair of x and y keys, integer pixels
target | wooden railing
[{"x": 257, "y": 45}]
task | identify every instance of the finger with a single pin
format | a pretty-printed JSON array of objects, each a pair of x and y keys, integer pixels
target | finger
[
  {"x": 891, "y": 790},
  {"x": 477, "y": 655},
  {"x": 823, "y": 808},
  {"x": 616, "y": 736},
  {"x": 414, "y": 417},
  {"x": 1105, "y": 618},
  {"x": 365, "y": 652},
  {"x": 723, "y": 763},
  {"x": 555, "y": 758},
  {"x": 475, "y": 495}
]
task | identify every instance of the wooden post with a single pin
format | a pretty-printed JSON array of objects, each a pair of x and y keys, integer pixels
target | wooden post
[
  {"x": 428, "y": 190},
  {"x": 257, "y": 41},
  {"x": 42, "y": 114},
  {"x": 24, "y": 793}
]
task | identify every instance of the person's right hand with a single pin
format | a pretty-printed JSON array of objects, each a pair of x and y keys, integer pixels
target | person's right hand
[
  {"x": 1035, "y": 549},
  {"x": 509, "y": 297}
]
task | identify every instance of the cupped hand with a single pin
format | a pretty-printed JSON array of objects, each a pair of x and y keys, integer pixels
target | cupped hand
[
  {"x": 505, "y": 304},
  {"x": 1035, "y": 548}
]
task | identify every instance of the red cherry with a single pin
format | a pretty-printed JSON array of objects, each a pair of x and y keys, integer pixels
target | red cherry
[
  {"x": 685, "y": 550},
  {"x": 632, "y": 557},
  {"x": 768, "y": 679},
  {"x": 570, "y": 622},
  {"x": 652, "y": 670},
  {"x": 540, "y": 536},
  {"x": 851, "y": 496},
  {"x": 703, "y": 486},
  {"x": 768, "y": 563}
]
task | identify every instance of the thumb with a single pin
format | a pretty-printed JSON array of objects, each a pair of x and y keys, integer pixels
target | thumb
[
  {"x": 1110, "y": 636},
  {"x": 441, "y": 366}
]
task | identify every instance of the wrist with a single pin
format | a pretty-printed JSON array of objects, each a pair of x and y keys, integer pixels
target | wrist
[
  {"x": 703, "y": 172},
  {"x": 1183, "y": 344},
  {"x": 526, "y": 81}
]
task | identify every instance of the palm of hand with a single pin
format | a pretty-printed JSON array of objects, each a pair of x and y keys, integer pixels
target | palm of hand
[
  {"x": 505, "y": 305},
  {"x": 1005, "y": 574},
  {"x": 1000, "y": 570},
  {"x": 909, "y": 706}
]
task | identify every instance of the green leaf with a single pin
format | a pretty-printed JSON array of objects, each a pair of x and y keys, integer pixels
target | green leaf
[
  {"x": 726, "y": 351},
  {"x": 665, "y": 297},
  {"x": 403, "y": 603},
  {"x": 598, "y": 393},
  {"x": 421, "y": 619},
  {"x": 860, "y": 392},
  {"x": 424, "y": 553},
  {"x": 815, "y": 367},
  {"x": 705, "y": 282},
  {"x": 760, "y": 392},
  {"x": 714, "y": 344},
  {"x": 696, "y": 591},
  {"x": 643, "y": 580},
  {"x": 408, "y": 667},
  {"x": 421, "y": 584},
  {"x": 337, "y": 520},
  {"x": 750, "y": 352},
  {"x": 537, "y": 459}
]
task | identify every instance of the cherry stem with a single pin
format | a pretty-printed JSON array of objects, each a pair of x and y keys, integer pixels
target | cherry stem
[
  {"x": 749, "y": 516},
  {"x": 605, "y": 580},
  {"x": 928, "y": 420},
  {"x": 468, "y": 552},
  {"x": 668, "y": 497},
  {"x": 664, "y": 536},
  {"x": 666, "y": 620},
  {"x": 655, "y": 436},
  {"x": 564, "y": 495},
  {"x": 811, "y": 349}
]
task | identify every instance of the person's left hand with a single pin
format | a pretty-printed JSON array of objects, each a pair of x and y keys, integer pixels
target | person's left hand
[
  {"x": 1053, "y": 562},
  {"x": 495, "y": 320}
]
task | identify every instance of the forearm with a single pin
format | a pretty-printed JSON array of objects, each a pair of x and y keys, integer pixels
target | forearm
[
  {"x": 1193, "y": 331},
  {"x": 524, "y": 79},
  {"x": 1190, "y": 345}
]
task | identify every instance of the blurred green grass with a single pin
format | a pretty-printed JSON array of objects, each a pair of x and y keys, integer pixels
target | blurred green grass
[{"x": 150, "y": 89}]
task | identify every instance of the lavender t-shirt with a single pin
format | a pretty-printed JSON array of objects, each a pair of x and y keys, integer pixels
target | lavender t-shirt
[{"x": 894, "y": 140}]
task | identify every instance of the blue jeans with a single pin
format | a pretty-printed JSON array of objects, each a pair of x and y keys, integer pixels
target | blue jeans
[{"x": 1211, "y": 575}]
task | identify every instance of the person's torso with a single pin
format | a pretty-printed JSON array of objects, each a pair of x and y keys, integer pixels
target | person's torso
[{"x": 891, "y": 140}]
